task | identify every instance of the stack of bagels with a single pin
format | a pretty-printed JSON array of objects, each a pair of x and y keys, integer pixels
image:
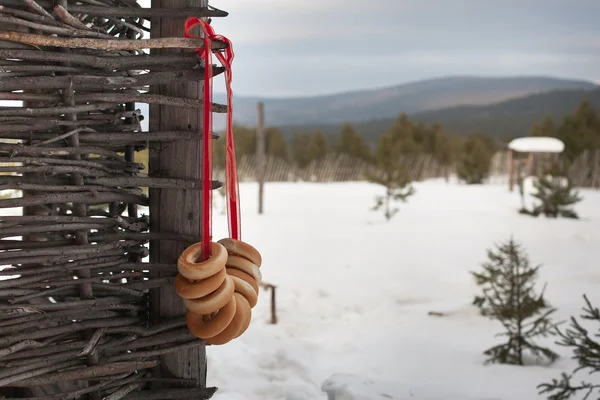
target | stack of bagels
[{"x": 219, "y": 293}]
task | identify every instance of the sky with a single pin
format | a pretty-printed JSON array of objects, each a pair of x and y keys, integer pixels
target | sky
[{"x": 307, "y": 47}]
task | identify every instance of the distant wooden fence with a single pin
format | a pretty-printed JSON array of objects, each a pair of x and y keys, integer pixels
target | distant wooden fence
[
  {"x": 584, "y": 172},
  {"x": 336, "y": 168}
]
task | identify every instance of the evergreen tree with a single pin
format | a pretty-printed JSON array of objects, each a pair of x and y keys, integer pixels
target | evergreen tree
[
  {"x": 352, "y": 144},
  {"x": 484, "y": 279},
  {"x": 580, "y": 131},
  {"x": 474, "y": 161},
  {"x": 555, "y": 195},
  {"x": 586, "y": 349},
  {"x": 511, "y": 300},
  {"x": 546, "y": 128},
  {"x": 245, "y": 144},
  {"x": 318, "y": 146},
  {"x": 442, "y": 151},
  {"x": 275, "y": 144},
  {"x": 301, "y": 143},
  {"x": 392, "y": 174},
  {"x": 406, "y": 135}
]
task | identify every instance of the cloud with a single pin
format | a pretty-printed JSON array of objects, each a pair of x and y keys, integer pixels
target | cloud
[{"x": 316, "y": 46}]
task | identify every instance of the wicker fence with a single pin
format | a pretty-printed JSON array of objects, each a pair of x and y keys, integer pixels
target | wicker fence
[{"x": 74, "y": 293}]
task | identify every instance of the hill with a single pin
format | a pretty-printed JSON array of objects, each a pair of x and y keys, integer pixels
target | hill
[
  {"x": 502, "y": 120},
  {"x": 387, "y": 102}
]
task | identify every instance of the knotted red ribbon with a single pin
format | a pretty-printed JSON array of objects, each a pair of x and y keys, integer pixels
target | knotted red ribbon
[{"x": 231, "y": 179}]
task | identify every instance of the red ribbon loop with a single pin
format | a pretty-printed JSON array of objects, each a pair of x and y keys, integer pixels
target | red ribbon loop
[{"x": 231, "y": 180}]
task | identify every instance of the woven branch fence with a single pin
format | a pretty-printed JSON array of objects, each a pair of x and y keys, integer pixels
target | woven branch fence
[{"x": 74, "y": 288}]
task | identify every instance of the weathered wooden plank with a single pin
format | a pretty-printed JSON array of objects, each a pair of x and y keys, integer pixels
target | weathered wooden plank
[{"x": 175, "y": 210}]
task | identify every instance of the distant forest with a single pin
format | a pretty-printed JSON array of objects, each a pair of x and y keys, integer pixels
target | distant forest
[
  {"x": 502, "y": 121},
  {"x": 465, "y": 137},
  {"x": 470, "y": 151}
]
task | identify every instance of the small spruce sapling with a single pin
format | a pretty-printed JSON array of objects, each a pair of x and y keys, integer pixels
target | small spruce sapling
[
  {"x": 392, "y": 173},
  {"x": 391, "y": 194},
  {"x": 474, "y": 161},
  {"x": 555, "y": 195},
  {"x": 491, "y": 270},
  {"x": 586, "y": 349},
  {"x": 511, "y": 300}
]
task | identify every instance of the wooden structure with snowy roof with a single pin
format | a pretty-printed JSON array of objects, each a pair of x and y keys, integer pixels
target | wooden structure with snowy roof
[{"x": 532, "y": 145}]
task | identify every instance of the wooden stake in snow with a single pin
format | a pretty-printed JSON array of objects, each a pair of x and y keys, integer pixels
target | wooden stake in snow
[{"x": 260, "y": 154}]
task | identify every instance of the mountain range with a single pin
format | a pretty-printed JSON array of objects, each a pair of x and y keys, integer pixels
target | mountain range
[
  {"x": 503, "y": 120},
  {"x": 447, "y": 97}
]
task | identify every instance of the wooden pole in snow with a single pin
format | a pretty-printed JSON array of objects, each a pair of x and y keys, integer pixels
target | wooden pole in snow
[
  {"x": 260, "y": 154},
  {"x": 511, "y": 167}
]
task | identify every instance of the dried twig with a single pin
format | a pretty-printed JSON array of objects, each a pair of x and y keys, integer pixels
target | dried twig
[{"x": 87, "y": 43}]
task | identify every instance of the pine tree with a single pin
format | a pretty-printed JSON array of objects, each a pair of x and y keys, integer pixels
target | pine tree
[
  {"x": 511, "y": 300},
  {"x": 275, "y": 144},
  {"x": 392, "y": 174},
  {"x": 441, "y": 150},
  {"x": 586, "y": 349},
  {"x": 555, "y": 195},
  {"x": 491, "y": 270},
  {"x": 245, "y": 144},
  {"x": 318, "y": 146},
  {"x": 301, "y": 149},
  {"x": 474, "y": 161},
  {"x": 580, "y": 131},
  {"x": 546, "y": 128},
  {"x": 351, "y": 143}
]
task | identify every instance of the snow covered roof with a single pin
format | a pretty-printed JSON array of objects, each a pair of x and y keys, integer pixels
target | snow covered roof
[{"x": 537, "y": 144}]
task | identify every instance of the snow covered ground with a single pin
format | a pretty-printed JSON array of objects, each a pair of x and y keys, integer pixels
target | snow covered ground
[{"x": 354, "y": 292}]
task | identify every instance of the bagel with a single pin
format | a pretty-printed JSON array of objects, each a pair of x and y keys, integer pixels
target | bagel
[
  {"x": 242, "y": 275},
  {"x": 214, "y": 301},
  {"x": 244, "y": 265},
  {"x": 237, "y": 247},
  {"x": 187, "y": 289},
  {"x": 203, "y": 327},
  {"x": 246, "y": 323},
  {"x": 242, "y": 313},
  {"x": 190, "y": 267},
  {"x": 245, "y": 289},
  {"x": 220, "y": 292}
]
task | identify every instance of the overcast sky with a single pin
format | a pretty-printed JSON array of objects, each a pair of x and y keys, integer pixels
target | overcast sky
[{"x": 305, "y": 47}]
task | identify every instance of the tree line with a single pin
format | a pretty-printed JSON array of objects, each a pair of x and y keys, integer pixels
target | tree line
[
  {"x": 579, "y": 131},
  {"x": 305, "y": 147},
  {"x": 471, "y": 153}
]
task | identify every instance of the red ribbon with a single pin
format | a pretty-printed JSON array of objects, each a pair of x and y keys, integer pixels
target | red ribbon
[{"x": 231, "y": 179}]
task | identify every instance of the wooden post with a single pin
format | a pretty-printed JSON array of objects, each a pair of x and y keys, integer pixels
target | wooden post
[
  {"x": 530, "y": 164},
  {"x": 273, "y": 301},
  {"x": 511, "y": 171},
  {"x": 175, "y": 210},
  {"x": 260, "y": 154}
]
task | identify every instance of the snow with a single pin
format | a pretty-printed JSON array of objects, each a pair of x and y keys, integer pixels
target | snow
[
  {"x": 354, "y": 293},
  {"x": 537, "y": 144},
  {"x": 355, "y": 387}
]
